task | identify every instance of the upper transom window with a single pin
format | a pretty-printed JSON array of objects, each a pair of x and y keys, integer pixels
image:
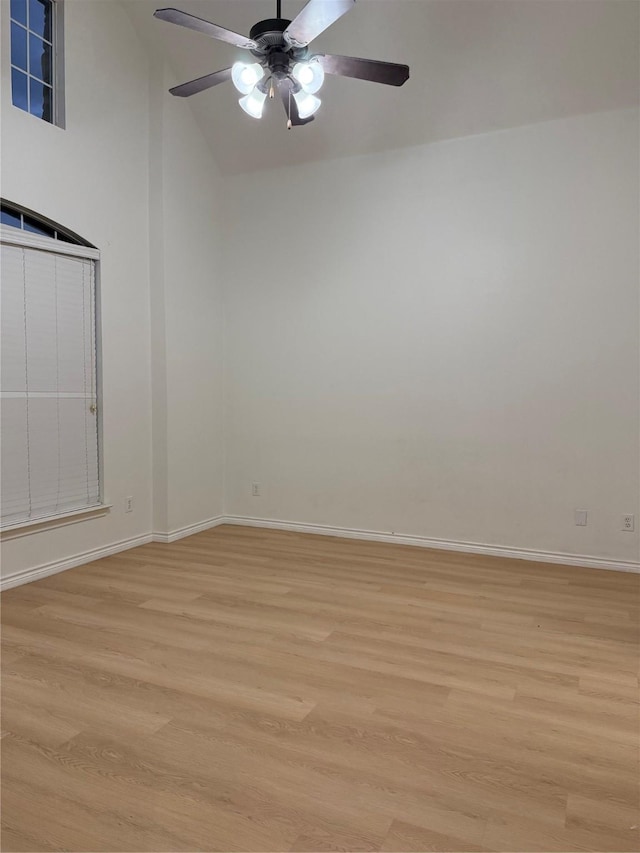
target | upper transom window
[{"x": 34, "y": 76}]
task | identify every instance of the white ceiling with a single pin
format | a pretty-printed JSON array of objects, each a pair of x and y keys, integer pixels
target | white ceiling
[{"x": 476, "y": 66}]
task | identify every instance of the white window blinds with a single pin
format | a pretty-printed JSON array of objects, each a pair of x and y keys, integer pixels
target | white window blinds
[{"x": 48, "y": 420}]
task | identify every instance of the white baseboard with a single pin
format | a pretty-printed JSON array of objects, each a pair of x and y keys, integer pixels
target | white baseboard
[
  {"x": 43, "y": 571},
  {"x": 189, "y": 530},
  {"x": 442, "y": 544},
  {"x": 46, "y": 569}
]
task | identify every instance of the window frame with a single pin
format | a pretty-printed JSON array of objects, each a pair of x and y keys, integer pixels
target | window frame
[
  {"x": 27, "y": 239},
  {"x": 58, "y": 116}
]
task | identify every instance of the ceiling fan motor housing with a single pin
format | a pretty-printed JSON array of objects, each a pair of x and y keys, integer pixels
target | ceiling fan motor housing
[
  {"x": 274, "y": 51},
  {"x": 269, "y": 32}
]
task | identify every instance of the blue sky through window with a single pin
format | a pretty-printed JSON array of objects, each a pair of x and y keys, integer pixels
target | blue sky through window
[{"x": 32, "y": 57}]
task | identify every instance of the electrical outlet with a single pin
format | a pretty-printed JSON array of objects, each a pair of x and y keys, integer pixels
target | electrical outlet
[
  {"x": 255, "y": 490},
  {"x": 628, "y": 523},
  {"x": 580, "y": 517},
  {"x": 128, "y": 504}
]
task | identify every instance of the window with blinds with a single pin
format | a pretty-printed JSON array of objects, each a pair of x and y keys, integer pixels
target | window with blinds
[{"x": 48, "y": 395}]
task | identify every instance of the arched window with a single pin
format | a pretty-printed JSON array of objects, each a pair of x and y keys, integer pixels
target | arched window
[
  {"x": 49, "y": 379},
  {"x": 19, "y": 217}
]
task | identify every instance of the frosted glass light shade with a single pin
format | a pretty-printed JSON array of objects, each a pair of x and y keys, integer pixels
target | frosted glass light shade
[
  {"x": 245, "y": 77},
  {"x": 307, "y": 104},
  {"x": 310, "y": 75},
  {"x": 253, "y": 104}
]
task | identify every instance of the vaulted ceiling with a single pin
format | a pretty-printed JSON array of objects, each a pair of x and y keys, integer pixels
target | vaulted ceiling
[{"x": 476, "y": 66}]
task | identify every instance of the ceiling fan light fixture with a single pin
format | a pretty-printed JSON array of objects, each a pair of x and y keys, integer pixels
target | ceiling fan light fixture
[
  {"x": 308, "y": 105},
  {"x": 245, "y": 77},
  {"x": 253, "y": 103},
  {"x": 282, "y": 60},
  {"x": 310, "y": 76}
]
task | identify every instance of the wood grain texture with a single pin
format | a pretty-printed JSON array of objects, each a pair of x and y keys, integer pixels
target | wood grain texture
[{"x": 258, "y": 690}]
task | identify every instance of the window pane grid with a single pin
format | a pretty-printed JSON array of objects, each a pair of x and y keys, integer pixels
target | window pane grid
[
  {"x": 31, "y": 91},
  {"x": 27, "y": 30},
  {"x": 32, "y": 76}
]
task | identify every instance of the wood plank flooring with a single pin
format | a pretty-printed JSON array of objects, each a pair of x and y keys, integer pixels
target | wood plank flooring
[{"x": 258, "y": 690}]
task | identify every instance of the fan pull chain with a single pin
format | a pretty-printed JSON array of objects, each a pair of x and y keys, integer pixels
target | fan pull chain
[
  {"x": 272, "y": 91},
  {"x": 289, "y": 125}
]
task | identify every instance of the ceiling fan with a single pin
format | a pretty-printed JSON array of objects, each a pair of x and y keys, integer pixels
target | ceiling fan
[{"x": 283, "y": 60}]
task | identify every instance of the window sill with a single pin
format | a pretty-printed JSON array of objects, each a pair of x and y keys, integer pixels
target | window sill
[{"x": 38, "y": 525}]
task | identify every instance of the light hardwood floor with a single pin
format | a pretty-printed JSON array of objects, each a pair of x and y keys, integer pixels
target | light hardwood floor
[{"x": 258, "y": 690}]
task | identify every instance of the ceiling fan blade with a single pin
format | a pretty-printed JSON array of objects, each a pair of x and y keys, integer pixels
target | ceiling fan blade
[
  {"x": 290, "y": 106},
  {"x": 389, "y": 73},
  {"x": 314, "y": 19},
  {"x": 202, "y": 83},
  {"x": 175, "y": 16}
]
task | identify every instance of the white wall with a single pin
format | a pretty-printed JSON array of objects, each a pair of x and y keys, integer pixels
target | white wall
[
  {"x": 442, "y": 341},
  {"x": 92, "y": 178},
  {"x": 158, "y": 263},
  {"x": 193, "y": 319}
]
